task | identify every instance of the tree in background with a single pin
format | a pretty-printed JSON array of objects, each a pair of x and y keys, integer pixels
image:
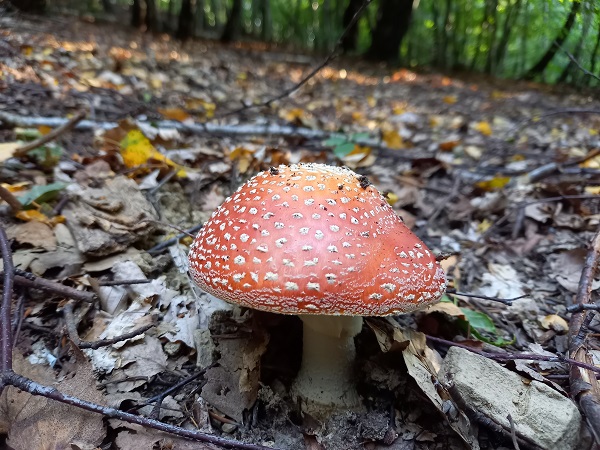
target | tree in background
[
  {"x": 350, "y": 41},
  {"x": 234, "y": 22},
  {"x": 393, "y": 20},
  {"x": 543, "y": 62},
  {"x": 185, "y": 26}
]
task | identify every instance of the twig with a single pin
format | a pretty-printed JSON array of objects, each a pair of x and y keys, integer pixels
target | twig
[
  {"x": 34, "y": 282},
  {"x": 27, "y": 385},
  {"x": 585, "y": 388},
  {"x": 123, "y": 282},
  {"x": 505, "y": 301},
  {"x": 160, "y": 247},
  {"x": 517, "y": 356},
  {"x": 6, "y": 337},
  {"x": 22, "y": 151},
  {"x": 513, "y": 432},
  {"x": 330, "y": 57},
  {"x": 8, "y": 197},
  {"x": 579, "y": 66},
  {"x": 578, "y": 307},
  {"x": 161, "y": 396}
]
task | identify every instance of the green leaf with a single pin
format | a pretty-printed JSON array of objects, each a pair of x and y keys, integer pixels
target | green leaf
[
  {"x": 28, "y": 134},
  {"x": 343, "y": 149},
  {"x": 479, "y": 320},
  {"x": 335, "y": 141},
  {"x": 47, "y": 155},
  {"x": 41, "y": 194},
  {"x": 359, "y": 136}
]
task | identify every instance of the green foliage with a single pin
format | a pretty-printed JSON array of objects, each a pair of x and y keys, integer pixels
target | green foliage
[
  {"x": 343, "y": 145},
  {"x": 41, "y": 194}
]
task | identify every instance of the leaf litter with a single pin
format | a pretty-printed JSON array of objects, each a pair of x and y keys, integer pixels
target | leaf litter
[{"x": 452, "y": 155}]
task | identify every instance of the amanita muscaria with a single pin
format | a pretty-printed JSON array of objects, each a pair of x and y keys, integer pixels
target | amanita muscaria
[{"x": 320, "y": 242}]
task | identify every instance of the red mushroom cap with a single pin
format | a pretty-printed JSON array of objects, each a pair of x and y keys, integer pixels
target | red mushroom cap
[{"x": 314, "y": 239}]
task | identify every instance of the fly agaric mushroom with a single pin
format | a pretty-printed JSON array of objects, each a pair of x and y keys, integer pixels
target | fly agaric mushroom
[{"x": 320, "y": 242}]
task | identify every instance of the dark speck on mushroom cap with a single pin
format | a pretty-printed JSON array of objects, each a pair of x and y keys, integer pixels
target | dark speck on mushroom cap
[{"x": 313, "y": 239}]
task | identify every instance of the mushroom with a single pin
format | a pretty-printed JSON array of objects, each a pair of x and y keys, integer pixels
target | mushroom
[{"x": 323, "y": 243}]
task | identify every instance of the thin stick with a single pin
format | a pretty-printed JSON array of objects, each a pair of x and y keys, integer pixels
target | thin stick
[
  {"x": 6, "y": 337},
  {"x": 584, "y": 385},
  {"x": 505, "y": 301},
  {"x": 22, "y": 151},
  {"x": 27, "y": 385},
  {"x": 513, "y": 432},
  {"x": 8, "y": 197},
  {"x": 160, "y": 247},
  {"x": 34, "y": 282}
]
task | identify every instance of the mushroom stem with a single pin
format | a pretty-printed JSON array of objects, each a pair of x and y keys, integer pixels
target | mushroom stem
[{"x": 325, "y": 380}]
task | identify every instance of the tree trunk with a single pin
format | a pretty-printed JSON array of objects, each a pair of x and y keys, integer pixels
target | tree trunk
[
  {"x": 595, "y": 51},
  {"x": 151, "y": 16},
  {"x": 30, "y": 6},
  {"x": 185, "y": 25},
  {"x": 492, "y": 34},
  {"x": 234, "y": 23},
  {"x": 393, "y": 22},
  {"x": 512, "y": 16},
  {"x": 541, "y": 65},
  {"x": 350, "y": 41},
  {"x": 267, "y": 20},
  {"x": 107, "y": 6},
  {"x": 136, "y": 14}
]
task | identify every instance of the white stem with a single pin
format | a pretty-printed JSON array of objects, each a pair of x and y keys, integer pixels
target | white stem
[{"x": 325, "y": 381}]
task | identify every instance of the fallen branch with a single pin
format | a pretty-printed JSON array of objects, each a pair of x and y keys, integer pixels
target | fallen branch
[
  {"x": 585, "y": 388},
  {"x": 24, "y": 149},
  {"x": 30, "y": 281},
  {"x": 211, "y": 129},
  {"x": 518, "y": 356}
]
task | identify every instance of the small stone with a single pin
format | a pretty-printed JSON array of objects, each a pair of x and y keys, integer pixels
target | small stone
[{"x": 228, "y": 428}]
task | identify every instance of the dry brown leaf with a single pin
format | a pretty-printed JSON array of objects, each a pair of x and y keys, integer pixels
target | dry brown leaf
[
  {"x": 34, "y": 423},
  {"x": 34, "y": 233}
]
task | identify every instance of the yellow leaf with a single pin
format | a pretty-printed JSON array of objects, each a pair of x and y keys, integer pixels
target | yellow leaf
[
  {"x": 592, "y": 163},
  {"x": 136, "y": 150},
  {"x": 27, "y": 50},
  {"x": 450, "y": 99},
  {"x": 31, "y": 214},
  {"x": 17, "y": 187},
  {"x": 484, "y": 128},
  {"x": 391, "y": 198},
  {"x": 243, "y": 156},
  {"x": 174, "y": 114},
  {"x": 44, "y": 130},
  {"x": 356, "y": 116},
  {"x": 484, "y": 225},
  {"x": 397, "y": 110},
  {"x": 554, "y": 322},
  {"x": 593, "y": 190},
  {"x": 293, "y": 115},
  {"x": 493, "y": 184},
  {"x": 392, "y": 139},
  {"x": 593, "y": 132},
  {"x": 371, "y": 101}
]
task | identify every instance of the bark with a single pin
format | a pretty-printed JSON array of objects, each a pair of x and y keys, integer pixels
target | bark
[
  {"x": 107, "y": 6},
  {"x": 392, "y": 25},
  {"x": 509, "y": 23},
  {"x": 267, "y": 20},
  {"x": 234, "y": 22},
  {"x": 151, "y": 16},
  {"x": 541, "y": 65},
  {"x": 136, "y": 14},
  {"x": 30, "y": 6},
  {"x": 185, "y": 26},
  {"x": 350, "y": 41}
]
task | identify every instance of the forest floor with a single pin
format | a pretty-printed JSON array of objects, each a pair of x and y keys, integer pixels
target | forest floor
[{"x": 502, "y": 177}]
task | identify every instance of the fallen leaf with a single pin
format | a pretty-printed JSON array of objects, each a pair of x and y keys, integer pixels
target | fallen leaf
[{"x": 484, "y": 128}]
